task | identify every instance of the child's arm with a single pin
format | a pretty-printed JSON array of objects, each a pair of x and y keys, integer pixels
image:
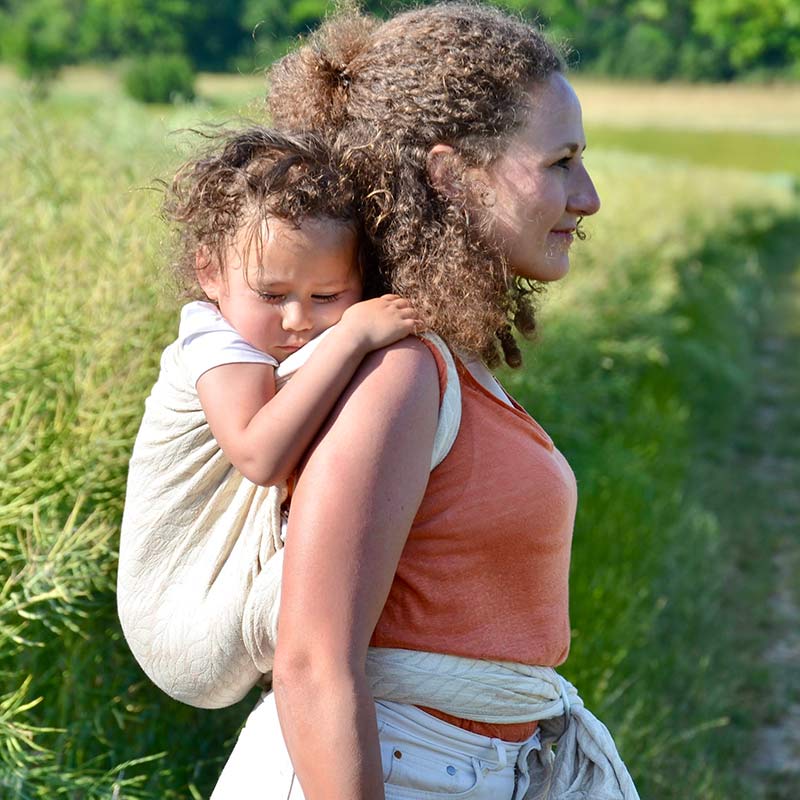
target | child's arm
[{"x": 265, "y": 434}]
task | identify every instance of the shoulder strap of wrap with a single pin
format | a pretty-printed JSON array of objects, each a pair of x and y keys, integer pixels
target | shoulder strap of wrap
[{"x": 450, "y": 408}]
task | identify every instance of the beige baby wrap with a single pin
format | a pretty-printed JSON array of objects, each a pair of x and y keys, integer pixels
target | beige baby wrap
[{"x": 200, "y": 557}]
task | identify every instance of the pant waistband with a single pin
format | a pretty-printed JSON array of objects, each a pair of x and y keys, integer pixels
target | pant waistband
[{"x": 488, "y": 750}]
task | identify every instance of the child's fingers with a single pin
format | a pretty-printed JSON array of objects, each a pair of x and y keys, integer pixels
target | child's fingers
[
  {"x": 419, "y": 326},
  {"x": 403, "y": 307},
  {"x": 399, "y": 313},
  {"x": 395, "y": 300}
]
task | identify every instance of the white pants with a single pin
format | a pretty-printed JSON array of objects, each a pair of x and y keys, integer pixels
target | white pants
[{"x": 423, "y": 758}]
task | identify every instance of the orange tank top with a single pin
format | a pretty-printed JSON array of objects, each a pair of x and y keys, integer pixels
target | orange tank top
[{"x": 484, "y": 572}]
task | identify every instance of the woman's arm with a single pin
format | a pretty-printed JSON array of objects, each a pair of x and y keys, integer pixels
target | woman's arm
[
  {"x": 265, "y": 434},
  {"x": 351, "y": 513}
]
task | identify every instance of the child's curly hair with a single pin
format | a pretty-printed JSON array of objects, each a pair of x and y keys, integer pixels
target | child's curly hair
[
  {"x": 386, "y": 93},
  {"x": 247, "y": 177}
]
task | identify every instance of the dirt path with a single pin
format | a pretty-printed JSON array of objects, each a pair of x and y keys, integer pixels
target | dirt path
[{"x": 775, "y": 470}]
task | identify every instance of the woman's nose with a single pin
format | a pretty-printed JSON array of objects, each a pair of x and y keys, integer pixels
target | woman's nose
[{"x": 584, "y": 199}]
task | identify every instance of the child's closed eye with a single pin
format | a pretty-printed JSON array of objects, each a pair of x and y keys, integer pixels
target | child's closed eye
[
  {"x": 326, "y": 298},
  {"x": 270, "y": 297}
]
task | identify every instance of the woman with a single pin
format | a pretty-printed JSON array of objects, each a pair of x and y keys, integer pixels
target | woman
[{"x": 439, "y": 594}]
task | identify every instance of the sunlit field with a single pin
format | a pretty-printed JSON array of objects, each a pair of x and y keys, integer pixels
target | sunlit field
[
  {"x": 747, "y": 126},
  {"x": 749, "y": 108},
  {"x": 641, "y": 372}
]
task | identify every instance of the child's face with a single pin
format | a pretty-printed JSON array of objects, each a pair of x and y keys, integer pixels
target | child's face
[{"x": 309, "y": 277}]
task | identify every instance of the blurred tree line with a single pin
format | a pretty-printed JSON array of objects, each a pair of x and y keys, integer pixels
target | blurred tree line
[{"x": 708, "y": 40}]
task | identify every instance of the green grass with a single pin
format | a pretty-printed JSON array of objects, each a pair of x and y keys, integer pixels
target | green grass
[{"x": 641, "y": 374}]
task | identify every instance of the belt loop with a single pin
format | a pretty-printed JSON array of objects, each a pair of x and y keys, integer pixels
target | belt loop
[
  {"x": 565, "y": 698},
  {"x": 502, "y": 754}
]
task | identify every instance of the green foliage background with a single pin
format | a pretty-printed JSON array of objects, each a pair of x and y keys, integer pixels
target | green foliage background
[{"x": 652, "y": 39}]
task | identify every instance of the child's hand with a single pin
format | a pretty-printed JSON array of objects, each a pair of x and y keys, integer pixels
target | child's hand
[{"x": 380, "y": 322}]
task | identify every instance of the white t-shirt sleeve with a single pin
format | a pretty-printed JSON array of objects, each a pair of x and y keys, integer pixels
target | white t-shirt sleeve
[{"x": 207, "y": 340}]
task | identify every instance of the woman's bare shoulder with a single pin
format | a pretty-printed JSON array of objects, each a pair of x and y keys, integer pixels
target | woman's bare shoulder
[{"x": 406, "y": 371}]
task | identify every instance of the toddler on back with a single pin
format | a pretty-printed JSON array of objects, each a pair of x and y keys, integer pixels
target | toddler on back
[
  {"x": 283, "y": 275},
  {"x": 269, "y": 239}
]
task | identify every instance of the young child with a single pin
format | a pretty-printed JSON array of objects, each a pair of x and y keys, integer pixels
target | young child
[{"x": 268, "y": 236}]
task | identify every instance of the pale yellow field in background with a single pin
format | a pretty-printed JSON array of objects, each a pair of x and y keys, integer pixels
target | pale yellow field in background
[{"x": 713, "y": 107}]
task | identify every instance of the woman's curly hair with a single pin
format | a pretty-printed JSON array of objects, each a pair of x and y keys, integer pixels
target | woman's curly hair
[
  {"x": 245, "y": 178},
  {"x": 386, "y": 93}
]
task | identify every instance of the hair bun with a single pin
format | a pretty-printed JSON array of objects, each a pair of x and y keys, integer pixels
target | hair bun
[{"x": 310, "y": 87}]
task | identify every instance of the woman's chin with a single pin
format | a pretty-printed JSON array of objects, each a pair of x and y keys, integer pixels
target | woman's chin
[{"x": 543, "y": 273}]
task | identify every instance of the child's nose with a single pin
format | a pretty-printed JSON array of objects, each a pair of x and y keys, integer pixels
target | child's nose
[{"x": 296, "y": 317}]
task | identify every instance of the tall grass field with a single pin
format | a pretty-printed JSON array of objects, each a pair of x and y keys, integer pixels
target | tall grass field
[{"x": 642, "y": 373}]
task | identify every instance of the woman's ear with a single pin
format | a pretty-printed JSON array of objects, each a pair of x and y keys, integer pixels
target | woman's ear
[
  {"x": 209, "y": 275},
  {"x": 451, "y": 177},
  {"x": 445, "y": 170}
]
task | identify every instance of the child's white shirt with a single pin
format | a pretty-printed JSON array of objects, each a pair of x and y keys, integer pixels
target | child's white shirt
[{"x": 207, "y": 340}]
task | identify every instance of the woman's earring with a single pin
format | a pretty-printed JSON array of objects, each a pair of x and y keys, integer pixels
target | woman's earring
[{"x": 579, "y": 231}]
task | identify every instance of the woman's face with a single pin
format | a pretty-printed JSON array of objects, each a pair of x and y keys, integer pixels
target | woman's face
[{"x": 536, "y": 191}]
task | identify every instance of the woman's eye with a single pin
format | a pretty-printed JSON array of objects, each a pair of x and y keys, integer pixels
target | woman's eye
[
  {"x": 326, "y": 298},
  {"x": 564, "y": 163}
]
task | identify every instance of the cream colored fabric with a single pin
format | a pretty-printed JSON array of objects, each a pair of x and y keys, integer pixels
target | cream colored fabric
[
  {"x": 578, "y": 759},
  {"x": 200, "y": 560}
]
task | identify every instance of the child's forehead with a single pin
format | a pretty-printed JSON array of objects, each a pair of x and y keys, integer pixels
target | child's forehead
[
  {"x": 265, "y": 230},
  {"x": 277, "y": 249},
  {"x": 316, "y": 227}
]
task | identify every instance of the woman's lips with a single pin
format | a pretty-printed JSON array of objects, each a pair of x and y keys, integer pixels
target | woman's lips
[{"x": 565, "y": 235}]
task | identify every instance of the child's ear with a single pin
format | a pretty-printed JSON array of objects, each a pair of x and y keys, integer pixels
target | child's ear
[{"x": 209, "y": 275}]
